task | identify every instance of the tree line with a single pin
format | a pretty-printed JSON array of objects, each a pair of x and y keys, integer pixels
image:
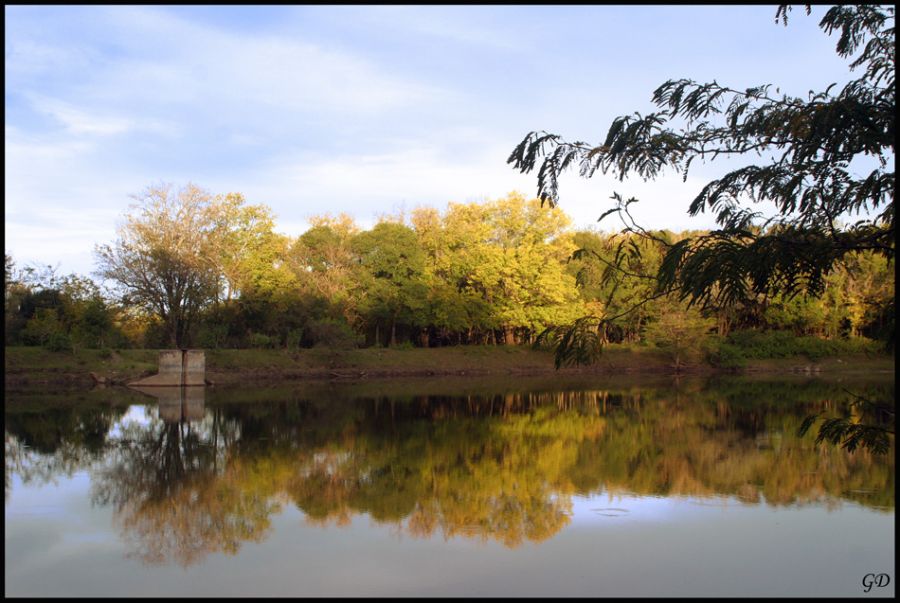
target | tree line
[{"x": 190, "y": 268}]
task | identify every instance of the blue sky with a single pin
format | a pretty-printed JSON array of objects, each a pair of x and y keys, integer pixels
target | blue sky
[{"x": 367, "y": 110}]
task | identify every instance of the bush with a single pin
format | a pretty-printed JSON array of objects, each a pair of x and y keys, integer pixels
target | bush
[
  {"x": 258, "y": 340},
  {"x": 331, "y": 333},
  {"x": 294, "y": 337},
  {"x": 58, "y": 342},
  {"x": 727, "y": 356},
  {"x": 105, "y": 354},
  {"x": 155, "y": 336},
  {"x": 784, "y": 344},
  {"x": 212, "y": 335}
]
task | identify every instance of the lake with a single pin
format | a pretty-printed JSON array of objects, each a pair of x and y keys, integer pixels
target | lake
[{"x": 589, "y": 486}]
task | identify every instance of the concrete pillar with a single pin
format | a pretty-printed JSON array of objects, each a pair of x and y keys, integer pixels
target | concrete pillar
[
  {"x": 194, "y": 367},
  {"x": 170, "y": 364},
  {"x": 177, "y": 368}
]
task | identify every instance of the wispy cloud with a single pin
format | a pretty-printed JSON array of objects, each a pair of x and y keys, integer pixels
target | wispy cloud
[
  {"x": 449, "y": 23},
  {"x": 62, "y": 195},
  {"x": 80, "y": 121},
  {"x": 205, "y": 64}
]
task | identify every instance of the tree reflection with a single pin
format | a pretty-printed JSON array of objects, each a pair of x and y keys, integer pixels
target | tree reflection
[
  {"x": 494, "y": 467},
  {"x": 168, "y": 485},
  {"x": 42, "y": 444}
]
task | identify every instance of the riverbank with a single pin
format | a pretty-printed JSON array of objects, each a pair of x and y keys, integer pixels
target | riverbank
[{"x": 26, "y": 366}]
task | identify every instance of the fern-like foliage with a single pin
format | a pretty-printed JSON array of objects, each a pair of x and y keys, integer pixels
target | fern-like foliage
[
  {"x": 578, "y": 343},
  {"x": 873, "y": 431},
  {"x": 812, "y": 143}
]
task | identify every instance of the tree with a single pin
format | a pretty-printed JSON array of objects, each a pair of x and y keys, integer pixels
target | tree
[
  {"x": 509, "y": 254},
  {"x": 246, "y": 251},
  {"x": 60, "y": 312},
  {"x": 162, "y": 258},
  {"x": 14, "y": 293},
  {"x": 35, "y": 306},
  {"x": 533, "y": 289},
  {"x": 819, "y": 146},
  {"x": 322, "y": 261},
  {"x": 391, "y": 276},
  {"x": 680, "y": 333},
  {"x": 606, "y": 269}
]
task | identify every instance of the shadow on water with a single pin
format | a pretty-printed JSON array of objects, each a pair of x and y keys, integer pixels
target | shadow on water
[{"x": 195, "y": 471}]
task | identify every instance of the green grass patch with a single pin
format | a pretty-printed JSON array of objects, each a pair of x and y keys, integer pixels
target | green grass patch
[
  {"x": 27, "y": 358},
  {"x": 740, "y": 347}
]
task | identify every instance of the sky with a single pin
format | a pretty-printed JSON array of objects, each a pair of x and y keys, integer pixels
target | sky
[{"x": 366, "y": 110}]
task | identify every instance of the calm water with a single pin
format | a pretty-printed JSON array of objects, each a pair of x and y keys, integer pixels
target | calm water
[{"x": 589, "y": 487}]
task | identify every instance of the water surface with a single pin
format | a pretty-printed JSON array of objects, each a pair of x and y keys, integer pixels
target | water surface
[{"x": 542, "y": 487}]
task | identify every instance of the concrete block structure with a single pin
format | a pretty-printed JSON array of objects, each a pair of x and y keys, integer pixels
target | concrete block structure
[{"x": 177, "y": 368}]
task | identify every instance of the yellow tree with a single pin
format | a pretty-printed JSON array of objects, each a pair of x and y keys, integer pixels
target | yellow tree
[
  {"x": 511, "y": 252},
  {"x": 246, "y": 251},
  {"x": 161, "y": 260},
  {"x": 322, "y": 260}
]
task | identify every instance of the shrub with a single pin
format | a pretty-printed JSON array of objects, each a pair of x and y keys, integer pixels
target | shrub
[
  {"x": 258, "y": 340},
  {"x": 294, "y": 337},
  {"x": 727, "y": 356},
  {"x": 212, "y": 335},
  {"x": 331, "y": 333},
  {"x": 784, "y": 344},
  {"x": 58, "y": 342}
]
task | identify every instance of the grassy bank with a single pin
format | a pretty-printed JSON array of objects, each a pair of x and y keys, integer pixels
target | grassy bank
[
  {"x": 37, "y": 365},
  {"x": 33, "y": 365}
]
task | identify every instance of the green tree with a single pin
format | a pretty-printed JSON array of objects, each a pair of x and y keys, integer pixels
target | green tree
[
  {"x": 247, "y": 252},
  {"x": 391, "y": 277},
  {"x": 14, "y": 292},
  {"x": 612, "y": 274},
  {"x": 44, "y": 328},
  {"x": 463, "y": 266},
  {"x": 43, "y": 308},
  {"x": 534, "y": 290},
  {"x": 35, "y": 305},
  {"x": 89, "y": 318}
]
